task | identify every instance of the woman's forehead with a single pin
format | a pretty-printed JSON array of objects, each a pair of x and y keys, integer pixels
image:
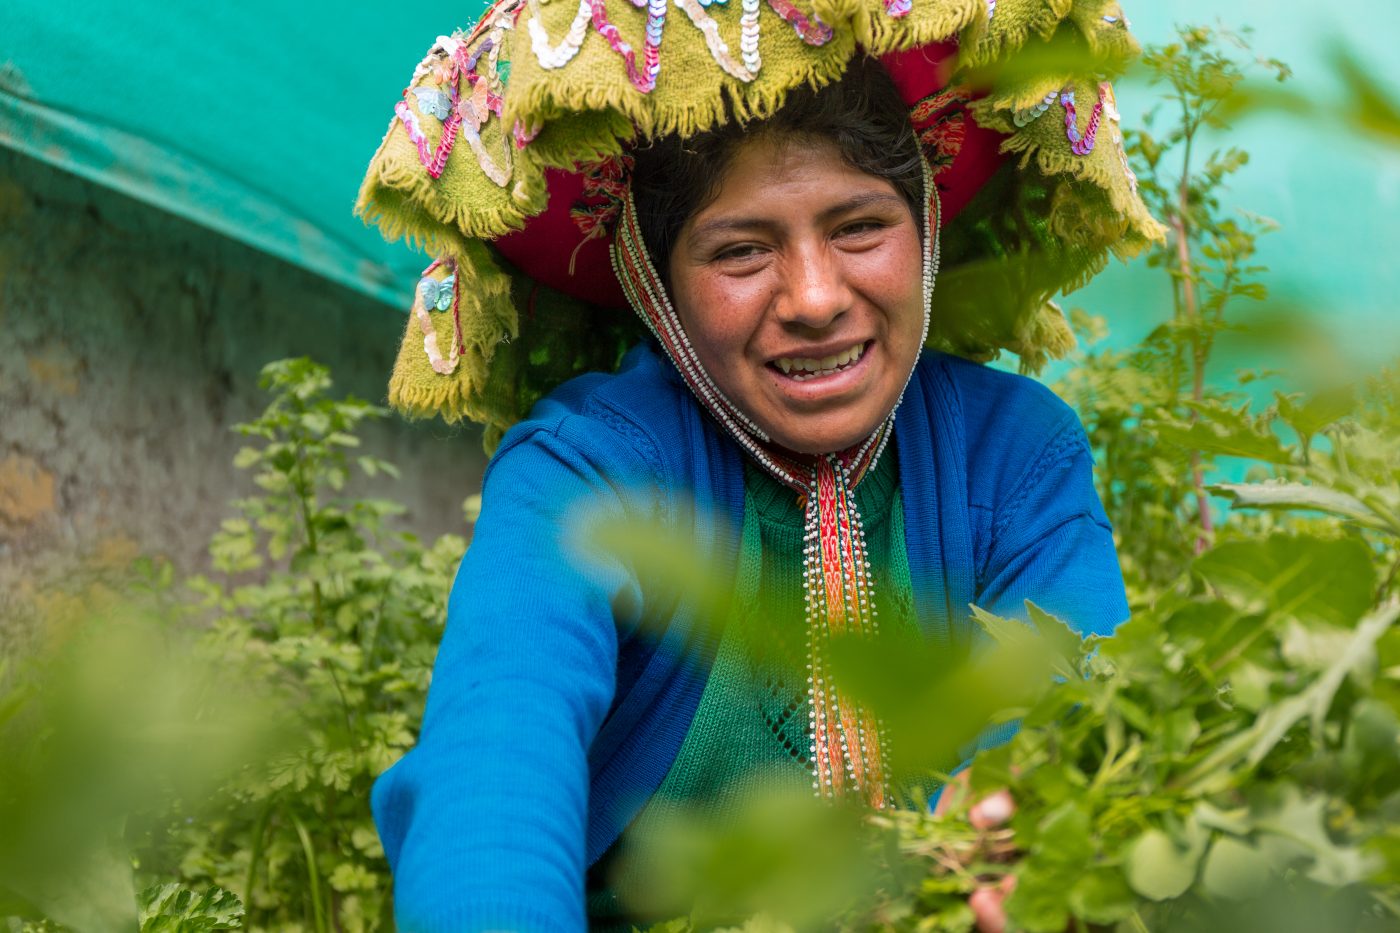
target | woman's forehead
[{"x": 769, "y": 179}]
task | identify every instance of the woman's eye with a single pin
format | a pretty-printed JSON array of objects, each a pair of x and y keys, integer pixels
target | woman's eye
[
  {"x": 860, "y": 227},
  {"x": 742, "y": 251}
]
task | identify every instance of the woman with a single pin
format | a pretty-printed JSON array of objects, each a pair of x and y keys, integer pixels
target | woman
[{"x": 781, "y": 420}]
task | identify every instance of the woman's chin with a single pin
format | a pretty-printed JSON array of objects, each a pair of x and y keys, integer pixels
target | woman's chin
[{"x": 812, "y": 434}]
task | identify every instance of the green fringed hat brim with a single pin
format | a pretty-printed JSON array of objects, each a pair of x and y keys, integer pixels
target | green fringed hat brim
[{"x": 501, "y": 163}]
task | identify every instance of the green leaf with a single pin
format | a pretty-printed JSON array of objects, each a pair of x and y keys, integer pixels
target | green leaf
[
  {"x": 350, "y": 876},
  {"x": 1315, "y": 648},
  {"x": 1179, "y": 730},
  {"x": 1066, "y": 647},
  {"x": 1253, "y": 744},
  {"x": 87, "y": 889},
  {"x": 1009, "y": 633},
  {"x": 1234, "y": 870},
  {"x": 1158, "y": 868},
  {"x": 1234, "y": 821},
  {"x": 1226, "y": 431},
  {"x": 1292, "y": 825},
  {"x": 1292, "y": 496},
  {"x": 1250, "y": 685},
  {"x": 1323, "y": 409},
  {"x": 1064, "y": 835},
  {"x": 172, "y": 908},
  {"x": 365, "y": 838},
  {"x": 1305, "y": 577},
  {"x": 1040, "y": 902},
  {"x": 1315, "y": 701},
  {"x": 1102, "y": 896},
  {"x": 1372, "y": 745},
  {"x": 317, "y": 422}
]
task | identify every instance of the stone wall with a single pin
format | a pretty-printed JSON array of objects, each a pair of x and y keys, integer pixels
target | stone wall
[{"x": 130, "y": 342}]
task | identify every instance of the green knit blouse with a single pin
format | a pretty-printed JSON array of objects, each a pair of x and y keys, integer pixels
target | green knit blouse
[{"x": 750, "y": 729}]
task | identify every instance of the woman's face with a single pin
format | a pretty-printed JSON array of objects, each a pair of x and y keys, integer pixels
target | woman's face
[{"x": 800, "y": 289}]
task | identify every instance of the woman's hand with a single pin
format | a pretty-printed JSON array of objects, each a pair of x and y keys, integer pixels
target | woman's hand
[{"x": 987, "y": 902}]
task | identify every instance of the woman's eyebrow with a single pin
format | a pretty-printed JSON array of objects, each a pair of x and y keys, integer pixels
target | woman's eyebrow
[{"x": 855, "y": 202}]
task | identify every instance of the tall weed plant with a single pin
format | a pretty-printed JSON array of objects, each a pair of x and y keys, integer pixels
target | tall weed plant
[{"x": 339, "y": 618}]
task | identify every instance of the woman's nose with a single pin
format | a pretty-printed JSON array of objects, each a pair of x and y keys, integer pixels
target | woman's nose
[{"x": 816, "y": 292}]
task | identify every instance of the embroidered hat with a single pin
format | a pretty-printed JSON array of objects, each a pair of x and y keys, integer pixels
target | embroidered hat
[{"x": 506, "y": 160}]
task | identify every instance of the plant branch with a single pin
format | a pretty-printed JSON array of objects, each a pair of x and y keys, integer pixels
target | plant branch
[{"x": 1191, "y": 311}]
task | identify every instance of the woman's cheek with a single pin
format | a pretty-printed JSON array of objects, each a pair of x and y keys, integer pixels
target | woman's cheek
[
  {"x": 893, "y": 276},
  {"x": 733, "y": 305}
]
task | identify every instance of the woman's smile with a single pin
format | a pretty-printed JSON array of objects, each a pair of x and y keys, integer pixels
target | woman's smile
[
  {"x": 811, "y": 381},
  {"x": 806, "y": 367},
  {"x": 800, "y": 287}
]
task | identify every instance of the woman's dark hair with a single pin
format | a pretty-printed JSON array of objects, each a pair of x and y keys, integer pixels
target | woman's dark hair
[{"x": 862, "y": 113}]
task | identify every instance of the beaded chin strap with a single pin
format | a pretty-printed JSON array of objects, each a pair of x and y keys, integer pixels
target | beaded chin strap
[{"x": 848, "y": 750}]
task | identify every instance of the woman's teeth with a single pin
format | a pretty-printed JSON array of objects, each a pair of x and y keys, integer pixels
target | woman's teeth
[{"x": 800, "y": 368}]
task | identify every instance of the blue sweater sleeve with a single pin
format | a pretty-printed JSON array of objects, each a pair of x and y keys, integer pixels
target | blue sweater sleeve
[
  {"x": 1051, "y": 543},
  {"x": 483, "y": 821}
]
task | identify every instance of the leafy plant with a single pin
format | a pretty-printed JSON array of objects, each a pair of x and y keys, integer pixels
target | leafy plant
[
  {"x": 108, "y": 713},
  {"x": 1235, "y": 742},
  {"x": 1143, "y": 407},
  {"x": 339, "y": 618}
]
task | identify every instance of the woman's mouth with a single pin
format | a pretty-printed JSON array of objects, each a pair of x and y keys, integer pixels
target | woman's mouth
[{"x": 802, "y": 368}]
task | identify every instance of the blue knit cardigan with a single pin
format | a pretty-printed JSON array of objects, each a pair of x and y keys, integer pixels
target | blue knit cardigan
[{"x": 554, "y": 712}]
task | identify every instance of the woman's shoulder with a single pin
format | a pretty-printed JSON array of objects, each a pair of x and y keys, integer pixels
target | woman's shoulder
[
  {"x": 986, "y": 395},
  {"x": 637, "y": 418},
  {"x": 1011, "y": 426}
]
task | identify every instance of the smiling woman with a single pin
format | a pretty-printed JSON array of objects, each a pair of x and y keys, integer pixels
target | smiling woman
[
  {"x": 800, "y": 286},
  {"x": 783, "y": 420},
  {"x": 798, "y": 276}
]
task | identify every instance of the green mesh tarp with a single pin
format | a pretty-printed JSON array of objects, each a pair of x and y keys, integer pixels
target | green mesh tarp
[{"x": 255, "y": 118}]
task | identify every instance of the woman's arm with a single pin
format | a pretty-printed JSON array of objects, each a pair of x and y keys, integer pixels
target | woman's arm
[
  {"x": 1051, "y": 543},
  {"x": 483, "y": 822}
]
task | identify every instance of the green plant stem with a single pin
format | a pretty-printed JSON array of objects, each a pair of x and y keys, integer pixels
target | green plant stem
[
  {"x": 344, "y": 701},
  {"x": 1199, "y": 351},
  {"x": 318, "y": 909},
  {"x": 304, "y": 502},
  {"x": 255, "y": 855},
  {"x": 304, "y": 497}
]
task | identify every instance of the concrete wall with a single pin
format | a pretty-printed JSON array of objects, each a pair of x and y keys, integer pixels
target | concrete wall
[{"x": 130, "y": 342}]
